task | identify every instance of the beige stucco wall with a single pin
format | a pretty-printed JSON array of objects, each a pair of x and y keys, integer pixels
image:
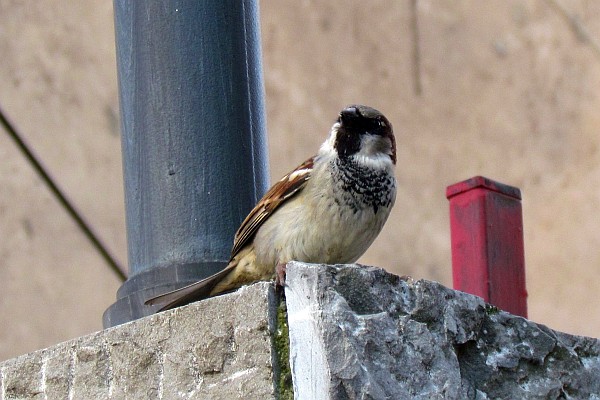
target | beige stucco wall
[{"x": 508, "y": 89}]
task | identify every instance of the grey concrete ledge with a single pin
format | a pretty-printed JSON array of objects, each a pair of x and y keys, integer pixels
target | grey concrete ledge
[
  {"x": 355, "y": 332},
  {"x": 215, "y": 349},
  {"x": 360, "y": 333}
]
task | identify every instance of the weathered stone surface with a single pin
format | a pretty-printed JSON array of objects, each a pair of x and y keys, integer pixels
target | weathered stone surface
[
  {"x": 355, "y": 333},
  {"x": 360, "y": 333},
  {"x": 220, "y": 348}
]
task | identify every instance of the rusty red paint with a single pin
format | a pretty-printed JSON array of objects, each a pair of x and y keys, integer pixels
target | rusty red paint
[{"x": 486, "y": 225}]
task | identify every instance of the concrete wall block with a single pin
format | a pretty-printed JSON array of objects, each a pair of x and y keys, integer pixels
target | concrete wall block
[
  {"x": 58, "y": 376},
  {"x": 355, "y": 332},
  {"x": 359, "y": 332},
  {"x": 89, "y": 369},
  {"x": 24, "y": 379},
  {"x": 218, "y": 348}
]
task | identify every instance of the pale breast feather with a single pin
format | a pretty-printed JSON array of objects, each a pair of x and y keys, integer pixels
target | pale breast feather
[{"x": 283, "y": 190}]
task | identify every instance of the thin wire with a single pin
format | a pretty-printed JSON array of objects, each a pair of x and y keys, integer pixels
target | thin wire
[
  {"x": 62, "y": 199},
  {"x": 577, "y": 26}
]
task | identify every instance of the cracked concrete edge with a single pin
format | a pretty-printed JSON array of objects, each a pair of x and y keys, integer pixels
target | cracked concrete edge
[
  {"x": 217, "y": 348},
  {"x": 310, "y": 369}
]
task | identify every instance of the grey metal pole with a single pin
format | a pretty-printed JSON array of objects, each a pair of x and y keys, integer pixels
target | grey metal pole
[{"x": 193, "y": 139}]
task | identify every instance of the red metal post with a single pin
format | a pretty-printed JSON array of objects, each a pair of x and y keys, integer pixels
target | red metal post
[{"x": 486, "y": 225}]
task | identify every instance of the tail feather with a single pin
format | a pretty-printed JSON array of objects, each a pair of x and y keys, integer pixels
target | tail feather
[{"x": 187, "y": 294}]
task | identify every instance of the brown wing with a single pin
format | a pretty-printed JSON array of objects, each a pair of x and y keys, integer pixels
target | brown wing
[{"x": 287, "y": 186}]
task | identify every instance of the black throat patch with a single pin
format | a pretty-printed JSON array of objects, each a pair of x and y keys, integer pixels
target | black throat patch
[{"x": 346, "y": 143}]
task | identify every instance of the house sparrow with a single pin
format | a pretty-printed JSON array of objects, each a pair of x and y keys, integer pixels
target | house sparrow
[{"x": 329, "y": 209}]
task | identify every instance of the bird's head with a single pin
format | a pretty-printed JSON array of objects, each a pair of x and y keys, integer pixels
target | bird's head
[{"x": 362, "y": 133}]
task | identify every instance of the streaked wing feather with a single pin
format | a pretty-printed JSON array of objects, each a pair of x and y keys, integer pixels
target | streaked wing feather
[{"x": 287, "y": 187}]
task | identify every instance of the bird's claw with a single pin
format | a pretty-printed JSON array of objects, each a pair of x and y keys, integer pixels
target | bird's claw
[{"x": 280, "y": 275}]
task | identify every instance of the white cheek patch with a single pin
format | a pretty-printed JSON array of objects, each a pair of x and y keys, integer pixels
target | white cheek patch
[
  {"x": 373, "y": 145},
  {"x": 328, "y": 147},
  {"x": 375, "y": 152},
  {"x": 377, "y": 162}
]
